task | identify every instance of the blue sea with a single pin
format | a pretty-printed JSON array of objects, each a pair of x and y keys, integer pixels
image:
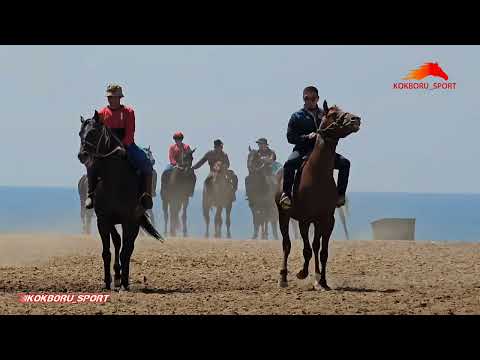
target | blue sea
[{"x": 439, "y": 217}]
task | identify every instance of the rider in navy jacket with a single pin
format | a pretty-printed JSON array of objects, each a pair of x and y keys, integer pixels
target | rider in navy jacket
[{"x": 302, "y": 131}]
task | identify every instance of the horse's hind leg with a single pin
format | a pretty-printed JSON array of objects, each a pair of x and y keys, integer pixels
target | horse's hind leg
[
  {"x": 218, "y": 222},
  {"x": 255, "y": 223},
  {"x": 174, "y": 210},
  {"x": 284, "y": 221},
  {"x": 82, "y": 216},
  {"x": 206, "y": 216},
  {"x": 165, "y": 215},
  {"x": 184, "y": 218},
  {"x": 117, "y": 244},
  {"x": 274, "y": 229},
  {"x": 307, "y": 250},
  {"x": 228, "y": 222},
  {"x": 104, "y": 230},
  {"x": 130, "y": 233},
  {"x": 89, "y": 215}
]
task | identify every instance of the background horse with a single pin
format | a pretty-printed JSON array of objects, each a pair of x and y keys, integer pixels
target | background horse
[
  {"x": 180, "y": 184},
  {"x": 116, "y": 197},
  {"x": 219, "y": 193},
  {"x": 85, "y": 214},
  {"x": 260, "y": 185},
  {"x": 315, "y": 195}
]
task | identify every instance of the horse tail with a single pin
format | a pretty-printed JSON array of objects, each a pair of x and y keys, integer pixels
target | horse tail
[{"x": 147, "y": 226}]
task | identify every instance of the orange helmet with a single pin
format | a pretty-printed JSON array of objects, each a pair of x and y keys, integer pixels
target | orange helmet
[{"x": 178, "y": 135}]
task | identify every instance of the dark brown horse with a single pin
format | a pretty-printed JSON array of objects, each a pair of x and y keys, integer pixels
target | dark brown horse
[
  {"x": 315, "y": 195},
  {"x": 179, "y": 187},
  {"x": 219, "y": 193},
  {"x": 260, "y": 185},
  {"x": 116, "y": 197}
]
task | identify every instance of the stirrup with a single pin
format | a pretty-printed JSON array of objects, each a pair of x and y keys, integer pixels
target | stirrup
[
  {"x": 89, "y": 203},
  {"x": 285, "y": 201}
]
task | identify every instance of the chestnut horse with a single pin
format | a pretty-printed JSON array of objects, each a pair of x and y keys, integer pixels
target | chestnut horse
[{"x": 315, "y": 195}]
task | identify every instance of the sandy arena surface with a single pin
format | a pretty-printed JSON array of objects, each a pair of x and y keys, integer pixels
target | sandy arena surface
[{"x": 199, "y": 276}]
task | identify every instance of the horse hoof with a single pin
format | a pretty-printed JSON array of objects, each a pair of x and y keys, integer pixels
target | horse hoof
[
  {"x": 325, "y": 286},
  {"x": 283, "y": 283},
  {"x": 124, "y": 288},
  {"x": 320, "y": 283},
  {"x": 107, "y": 287},
  {"x": 117, "y": 283},
  {"x": 302, "y": 275}
]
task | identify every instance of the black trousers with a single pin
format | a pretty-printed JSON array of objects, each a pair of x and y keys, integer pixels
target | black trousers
[{"x": 294, "y": 162}]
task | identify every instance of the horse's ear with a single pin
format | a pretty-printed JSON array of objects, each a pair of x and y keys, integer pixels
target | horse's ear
[
  {"x": 325, "y": 107},
  {"x": 249, "y": 148},
  {"x": 148, "y": 148},
  {"x": 82, "y": 120},
  {"x": 194, "y": 150},
  {"x": 96, "y": 116}
]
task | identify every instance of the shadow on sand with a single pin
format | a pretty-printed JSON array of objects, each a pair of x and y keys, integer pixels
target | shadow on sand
[
  {"x": 164, "y": 291},
  {"x": 352, "y": 289}
]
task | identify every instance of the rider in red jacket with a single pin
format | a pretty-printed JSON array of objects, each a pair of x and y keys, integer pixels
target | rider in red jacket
[{"x": 121, "y": 120}]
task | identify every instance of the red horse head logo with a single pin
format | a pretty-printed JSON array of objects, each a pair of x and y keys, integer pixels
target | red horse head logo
[{"x": 427, "y": 69}]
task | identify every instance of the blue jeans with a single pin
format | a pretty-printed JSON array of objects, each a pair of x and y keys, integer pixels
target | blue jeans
[{"x": 139, "y": 159}]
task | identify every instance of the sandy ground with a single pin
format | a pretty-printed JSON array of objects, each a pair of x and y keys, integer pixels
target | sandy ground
[{"x": 199, "y": 276}]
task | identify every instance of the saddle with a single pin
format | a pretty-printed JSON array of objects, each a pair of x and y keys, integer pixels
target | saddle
[{"x": 298, "y": 175}]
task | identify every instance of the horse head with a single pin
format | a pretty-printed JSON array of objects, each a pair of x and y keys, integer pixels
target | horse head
[
  {"x": 187, "y": 158},
  {"x": 337, "y": 123},
  {"x": 149, "y": 154},
  {"x": 93, "y": 138},
  {"x": 254, "y": 162}
]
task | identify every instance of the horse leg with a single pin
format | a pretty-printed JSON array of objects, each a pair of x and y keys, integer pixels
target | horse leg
[
  {"x": 206, "y": 216},
  {"x": 89, "y": 215},
  {"x": 130, "y": 233},
  {"x": 326, "y": 232},
  {"x": 307, "y": 250},
  {"x": 265, "y": 226},
  {"x": 117, "y": 244},
  {"x": 184, "y": 217},
  {"x": 284, "y": 221},
  {"x": 255, "y": 224},
  {"x": 104, "y": 230},
  {"x": 218, "y": 222},
  {"x": 82, "y": 216},
  {"x": 228, "y": 211},
  {"x": 165, "y": 215},
  {"x": 174, "y": 217}
]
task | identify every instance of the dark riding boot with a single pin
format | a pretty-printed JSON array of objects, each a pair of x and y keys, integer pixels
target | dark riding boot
[
  {"x": 92, "y": 185},
  {"x": 288, "y": 179},
  {"x": 146, "y": 198},
  {"x": 343, "y": 166}
]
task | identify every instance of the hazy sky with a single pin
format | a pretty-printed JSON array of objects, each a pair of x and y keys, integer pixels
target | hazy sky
[{"x": 410, "y": 141}]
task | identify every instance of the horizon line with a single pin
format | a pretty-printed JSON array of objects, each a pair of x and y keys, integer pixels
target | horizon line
[{"x": 242, "y": 189}]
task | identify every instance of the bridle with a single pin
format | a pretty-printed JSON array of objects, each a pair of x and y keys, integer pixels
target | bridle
[{"x": 107, "y": 134}]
